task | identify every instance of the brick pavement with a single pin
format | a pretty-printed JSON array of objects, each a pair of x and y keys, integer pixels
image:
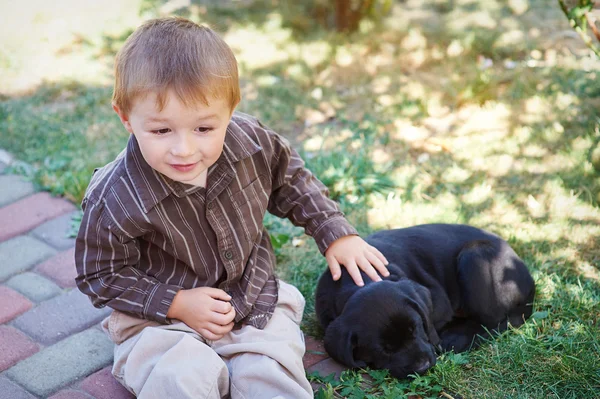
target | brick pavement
[{"x": 51, "y": 344}]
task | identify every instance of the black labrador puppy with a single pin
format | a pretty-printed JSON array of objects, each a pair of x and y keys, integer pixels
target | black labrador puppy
[{"x": 449, "y": 286}]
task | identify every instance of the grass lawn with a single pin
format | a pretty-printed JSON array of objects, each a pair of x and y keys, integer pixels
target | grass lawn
[{"x": 447, "y": 111}]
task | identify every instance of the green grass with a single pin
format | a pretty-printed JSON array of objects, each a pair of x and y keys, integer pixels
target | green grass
[
  {"x": 471, "y": 112},
  {"x": 64, "y": 131}
]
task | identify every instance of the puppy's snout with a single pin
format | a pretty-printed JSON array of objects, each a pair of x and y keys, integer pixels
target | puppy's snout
[{"x": 423, "y": 366}]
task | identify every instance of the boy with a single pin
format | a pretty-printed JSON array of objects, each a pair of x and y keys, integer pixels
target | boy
[{"x": 172, "y": 236}]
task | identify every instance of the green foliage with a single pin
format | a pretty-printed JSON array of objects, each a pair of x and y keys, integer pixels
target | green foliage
[
  {"x": 277, "y": 240},
  {"x": 350, "y": 169},
  {"x": 370, "y": 384},
  {"x": 63, "y": 132},
  {"x": 75, "y": 223},
  {"x": 578, "y": 18},
  {"x": 578, "y": 12}
]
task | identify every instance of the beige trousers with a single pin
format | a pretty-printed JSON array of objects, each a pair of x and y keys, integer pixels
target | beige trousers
[{"x": 174, "y": 362}]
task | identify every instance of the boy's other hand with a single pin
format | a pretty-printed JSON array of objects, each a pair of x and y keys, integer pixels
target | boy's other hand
[
  {"x": 205, "y": 309},
  {"x": 353, "y": 252}
]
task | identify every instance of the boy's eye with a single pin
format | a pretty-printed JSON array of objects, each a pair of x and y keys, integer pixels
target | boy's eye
[
  {"x": 160, "y": 131},
  {"x": 202, "y": 129}
]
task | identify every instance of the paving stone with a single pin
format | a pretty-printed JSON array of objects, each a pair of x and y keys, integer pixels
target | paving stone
[
  {"x": 102, "y": 385},
  {"x": 60, "y": 317},
  {"x": 55, "y": 232},
  {"x": 63, "y": 363},
  {"x": 70, "y": 394},
  {"x": 60, "y": 268},
  {"x": 30, "y": 212},
  {"x": 10, "y": 390},
  {"x": 34, "y": 286},
  {"x": 14, "y": 346},
  {"x": 315, "y": 352},
  {"x": 327, "y": 367},
  {"x": 12, "y": 304},
  {"x": 13, "y": 188},
  {"x": 21, "y": 253},
  {"x": 6, "y": 157}
]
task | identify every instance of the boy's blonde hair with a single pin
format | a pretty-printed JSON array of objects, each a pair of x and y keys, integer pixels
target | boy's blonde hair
[{"x": 175, "y": 53}]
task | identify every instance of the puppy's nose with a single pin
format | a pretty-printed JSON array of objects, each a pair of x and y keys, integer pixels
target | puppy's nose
[{"x": 423, "y": 366}]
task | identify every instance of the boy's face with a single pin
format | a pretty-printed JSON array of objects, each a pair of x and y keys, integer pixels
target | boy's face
[{"x": 180, "y": 142}]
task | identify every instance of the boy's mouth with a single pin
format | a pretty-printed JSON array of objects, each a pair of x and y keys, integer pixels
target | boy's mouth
[{"x": 183, "y": 167}]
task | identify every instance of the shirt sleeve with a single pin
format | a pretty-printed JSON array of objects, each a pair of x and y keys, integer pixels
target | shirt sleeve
[
  {"x": 299, "y": 196},
  {"x": 105, "y": 258}
]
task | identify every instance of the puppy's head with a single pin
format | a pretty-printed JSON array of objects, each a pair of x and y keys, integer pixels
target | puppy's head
[{"x": 385, "y": 325}]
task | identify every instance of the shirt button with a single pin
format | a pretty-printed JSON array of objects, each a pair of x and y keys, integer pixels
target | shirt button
[
  {"x": 210, "y": 205},
  {"x": 228, "y": 254}
]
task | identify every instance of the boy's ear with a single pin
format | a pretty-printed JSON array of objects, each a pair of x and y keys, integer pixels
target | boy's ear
[{"x": 124, "y": 118}]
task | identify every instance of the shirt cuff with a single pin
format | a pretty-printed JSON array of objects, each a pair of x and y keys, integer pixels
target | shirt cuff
[
  {"x": 330, "y": 230},
  {"x": 159, "y": 301}
]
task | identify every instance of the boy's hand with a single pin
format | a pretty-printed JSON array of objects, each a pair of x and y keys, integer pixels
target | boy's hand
[
  {"x": 205, "y": 309},
  {"x": 353, "y": 252}
]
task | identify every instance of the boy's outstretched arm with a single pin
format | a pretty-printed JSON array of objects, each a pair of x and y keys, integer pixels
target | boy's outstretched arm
[
  {"x": 354, "y": 253},
  {"x": 300, "y": 197}
]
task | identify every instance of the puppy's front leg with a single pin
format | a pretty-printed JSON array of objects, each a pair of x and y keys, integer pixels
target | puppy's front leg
[{"x": 461, "y": 335}]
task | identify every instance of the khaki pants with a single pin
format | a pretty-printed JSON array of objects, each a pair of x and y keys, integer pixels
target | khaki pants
[{"x": 174, "y": 362}]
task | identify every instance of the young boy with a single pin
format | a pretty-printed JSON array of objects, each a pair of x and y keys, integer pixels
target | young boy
[{"x": 172, "y": 237}]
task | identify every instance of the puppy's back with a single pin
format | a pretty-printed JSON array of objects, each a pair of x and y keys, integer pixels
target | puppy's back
[
  {"x": 427, "y": 253},
  {"x": 438, "y": 237}
]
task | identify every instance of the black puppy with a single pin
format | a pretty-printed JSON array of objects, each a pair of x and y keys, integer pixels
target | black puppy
[{"x": 449, "y": 285}]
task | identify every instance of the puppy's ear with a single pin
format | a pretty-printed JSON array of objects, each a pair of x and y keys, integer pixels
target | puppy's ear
[
  {"x": 421, "y": 301},
  {"x": 340, "y": 342}
]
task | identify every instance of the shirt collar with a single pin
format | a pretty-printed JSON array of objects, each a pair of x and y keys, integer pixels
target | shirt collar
[
  {"x": 152, "y": 187},
  {"x": 238, "y": 144}
]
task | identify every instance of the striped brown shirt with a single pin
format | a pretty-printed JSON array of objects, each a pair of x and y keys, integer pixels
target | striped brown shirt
[{"x": 144, "y": 236}]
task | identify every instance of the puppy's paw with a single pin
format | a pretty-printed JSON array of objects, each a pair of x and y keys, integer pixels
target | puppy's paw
[{"x": 456, "y": 342}]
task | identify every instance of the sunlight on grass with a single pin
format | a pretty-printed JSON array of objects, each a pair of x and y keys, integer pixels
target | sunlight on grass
[
  {"x": 314, "y": 53},
  {"x": 478, "y": 194},
  {"x": 546, "y": 286},
  {"x": 46, "y": 41},
  {"x": 268, "y": 41},
  {"x": 536, "y": 109},
  {"x": 393, "y": 212}
]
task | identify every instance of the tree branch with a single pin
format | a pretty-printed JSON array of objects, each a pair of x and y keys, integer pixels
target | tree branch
[
  {"x": 591, "y": 20},
  {"x": 579, "y": 29}
]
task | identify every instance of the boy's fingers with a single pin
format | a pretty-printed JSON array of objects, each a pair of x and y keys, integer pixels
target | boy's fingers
[
  {"x": 222, "y": 319},
  {"x": 229, "y": 316},
  {"x": 377, "y": 264},
  {"x": 207, "y": 334},
  {"x": 379, "y": 255},
  {"x": 221, "y": 306},
  {"x": 366, "y": 267},
  {"x": 354, "y": 273},
  {"x": 334, "y": 267},
  {"x": 216, "y": 293},
  {"x": 218, "y": 329}
]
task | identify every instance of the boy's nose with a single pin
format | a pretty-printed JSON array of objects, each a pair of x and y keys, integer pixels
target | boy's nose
[{"x": 183, "y": 147}]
